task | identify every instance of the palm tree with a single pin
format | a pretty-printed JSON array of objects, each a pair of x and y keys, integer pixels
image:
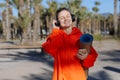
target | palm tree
[
  {"x": 46, "y": 17},
  {"x": 20, "y": 6},
  {"x": 115, "y": 18},
  {"x": 96, "y": 17},
  {"x": 23, "y": 23},
  {"x": 119, "y": 19},
  {"x": 7, "y": 21},
  {"x": 36, "y": 23},
  {"x": 53, "y": 6},
  {"x": 3, "y": 5},
  {"x": 110, "y": 24},
  {"x": 83, "y": 18},
  {"x": 1, "y": 29},
  {"x": 103, "y": 23},
  {"x": 29, "y": 15},
  {"x": 74, "y": 5},
  {"x": 89, "y": 22}
]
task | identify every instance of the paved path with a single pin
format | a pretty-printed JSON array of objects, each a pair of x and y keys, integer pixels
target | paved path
[
  {"x": 29, "y": 64},
  {"x": 107, "y": 66}
]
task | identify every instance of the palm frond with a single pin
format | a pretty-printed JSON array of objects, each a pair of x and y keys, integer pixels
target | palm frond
[
  {"x": 23, "y": 22},
  {"x": 14, "y": 3},
  {"x": 2, "y": 5}
]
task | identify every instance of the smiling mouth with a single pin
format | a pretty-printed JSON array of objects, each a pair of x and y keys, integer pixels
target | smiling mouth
[{"x": 66, "y": 22}]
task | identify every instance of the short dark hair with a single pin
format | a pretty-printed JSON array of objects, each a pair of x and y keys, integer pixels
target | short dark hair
[
  {"x": 64, "y": 8},
  {"x": 61, "y": 9}
]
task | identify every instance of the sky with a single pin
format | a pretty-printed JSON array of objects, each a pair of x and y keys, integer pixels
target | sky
[{"x": 106, "y": 6}]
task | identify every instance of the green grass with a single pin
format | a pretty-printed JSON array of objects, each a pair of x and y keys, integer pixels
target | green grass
[{"x": 97, "y": 37}]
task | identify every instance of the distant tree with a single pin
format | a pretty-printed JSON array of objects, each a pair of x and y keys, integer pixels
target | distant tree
[
  {"x": 115, "y": 18},
  {"x": 3, "y": 21},
  {"x": 53, "y": 6},
  {"x": 36, "y": 22},
  {"x": 1, "y": 29},
  {"x": 7, "y": 21},
  {"x": 96, "y": 26},
  {"x": 110, "y": 24}
]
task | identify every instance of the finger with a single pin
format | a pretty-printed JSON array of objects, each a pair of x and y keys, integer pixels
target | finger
[{"x": 82, "y": 52}]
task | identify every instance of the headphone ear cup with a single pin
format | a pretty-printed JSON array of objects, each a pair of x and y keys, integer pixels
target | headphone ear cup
[
  {"x": 73, "y": 17},
  {"x": 57, "y": 23}
]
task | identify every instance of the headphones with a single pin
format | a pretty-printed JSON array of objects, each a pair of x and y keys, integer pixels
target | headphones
[{"x": 61, "y": 9}]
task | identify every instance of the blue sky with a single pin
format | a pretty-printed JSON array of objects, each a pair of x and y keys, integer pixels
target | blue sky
[{"x": 106, "y": 6}]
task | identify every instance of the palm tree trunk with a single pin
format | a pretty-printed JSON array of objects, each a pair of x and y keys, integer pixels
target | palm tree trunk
[
  {"x": 115, "y": 18},
  {"x": 7, "y": 21},
  {"x": 90, "y": 26},
  {"x": 36, "y": 24},
  {"x": 104, "y": 25},
  {"x": 21, "y": 2},
  {"x": 99, "y": 27},
  {"x": 47, "y": 24},
  {"x": 29, "y": 15},
  {"x": 3, "y": 22}
]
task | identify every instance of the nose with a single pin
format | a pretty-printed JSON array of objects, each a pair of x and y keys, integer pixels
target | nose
[{"x": 66, "y": 18}]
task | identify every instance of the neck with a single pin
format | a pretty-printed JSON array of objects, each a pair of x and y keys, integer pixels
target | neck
[{"x": 67, "y": 30}]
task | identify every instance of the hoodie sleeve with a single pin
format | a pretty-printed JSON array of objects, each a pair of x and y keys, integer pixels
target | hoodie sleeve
[
  {"x": 91, "y": 58},
  {"x": 51, "y": 44}
]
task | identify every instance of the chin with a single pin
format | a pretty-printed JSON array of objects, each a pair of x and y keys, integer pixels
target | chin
[{"x": 65, "y": 26}]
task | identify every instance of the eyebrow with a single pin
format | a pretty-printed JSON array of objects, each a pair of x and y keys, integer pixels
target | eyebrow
[{"x": 66, "y": 15}]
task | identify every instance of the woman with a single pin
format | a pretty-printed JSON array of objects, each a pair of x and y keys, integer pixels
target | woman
[{"x": 63, "y": 45}]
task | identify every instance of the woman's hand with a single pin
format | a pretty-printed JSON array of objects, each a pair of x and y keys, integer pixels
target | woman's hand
[{"x": 82, "y": 54}]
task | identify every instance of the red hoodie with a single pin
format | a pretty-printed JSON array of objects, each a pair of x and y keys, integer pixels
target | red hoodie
[{"x": 64, "y": 47}]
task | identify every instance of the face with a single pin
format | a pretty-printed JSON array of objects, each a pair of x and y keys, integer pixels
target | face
[{"x": 65, "y": 19}]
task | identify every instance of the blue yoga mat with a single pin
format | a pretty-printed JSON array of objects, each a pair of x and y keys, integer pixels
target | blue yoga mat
[{"x": 86, "y": 38}]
